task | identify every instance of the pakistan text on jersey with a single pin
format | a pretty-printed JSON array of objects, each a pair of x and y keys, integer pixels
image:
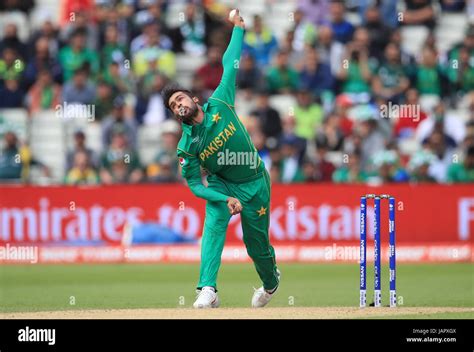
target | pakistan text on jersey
[{"x": 218, "y": 141}]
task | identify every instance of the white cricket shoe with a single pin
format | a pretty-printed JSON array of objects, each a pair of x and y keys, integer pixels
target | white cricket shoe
[
  {"x": 207, "y": 298},
  {"x": 261, "y": 297}
]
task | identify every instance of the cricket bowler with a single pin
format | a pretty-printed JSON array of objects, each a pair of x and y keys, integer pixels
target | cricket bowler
[{"x": 213, "y": 136}]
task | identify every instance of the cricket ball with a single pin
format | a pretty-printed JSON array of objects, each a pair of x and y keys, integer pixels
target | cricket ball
[{"x": 232, "y": 14}]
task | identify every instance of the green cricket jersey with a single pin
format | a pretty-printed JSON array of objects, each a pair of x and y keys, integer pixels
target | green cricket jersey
[{"x": 220, "y": 144}]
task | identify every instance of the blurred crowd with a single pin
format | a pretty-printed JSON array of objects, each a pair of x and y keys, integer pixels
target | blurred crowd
[{"x": 117, "y": 55}]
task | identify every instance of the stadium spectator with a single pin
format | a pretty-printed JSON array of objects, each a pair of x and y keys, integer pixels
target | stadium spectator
[
  {"x": 80, "y": 146},
  {"x": 11, "y": 163},
  {"x": 74, "y": 55},
  {"x": 249, "y": 76},
  {"x": 390, "y": 81},
  {"x": 419, "y": 12},
  {"x": 118, "y": 120},
  {"x": 296, "y": 57},
  {"x": 260, "y": 42},
  {"x": 438, "y": 144},
  {"x": 308, "y": 115},
  {"x": 367, "y": 138},
  {"x": 81, "y": 20},
  {"x": 260, "y": 141},
  {"x": 150, "y": 28},
  {"x": 69, "y": 7},
  {"x": 149, "y": 108},
  {"x": 120, "y": 163},
  {"x": 107, "y": 15},
  {"x": 355, "y": 72},
  {"x": 291, "y": 171},
  {"x": 198, "y": 90},
  {"x": 113, "y": 50},
  {"x": 387, "y": 9},
  {"x": 316, "y": 76},
  {"x": 275, "y": 173},
  {"x": 16, "y": 160},
  {"x": 387, "y": 113},
  {"x": 191, "y": 34},
  {"x": 211, "y": 72},
  {"x": 310, "y": 171},
  {"x": 342, "y": 104},
  {"x": 104, "y": 99},
  {"x": 407, "y": 60},
  {"x": 11, "y": 94},
  {"x": 152, "y": 58},
  {"x": 361, "y": 40},
  {"x": 350, "y": 171},
  {"x": 11, "y": 40},
  {"x": 252, "y": 124},
  {"x": 330, "y": 51},
  {"x": 11, "y": 65},
  {"x": 430, "y": 78},
  {"x": 42, "y": 59},
  {"x": 156, "y": 10},
  {"x": 315, "y": 11},
  {"x": 304, "y": 31},
  {"x": 462, "y": 171},
  {"x": 48, "y": 31},
  {"x": 45, "y": 94},
  {"x": 461, "y": 73},
  {"x": 268, "y": 117},
  {"x": 419, "y": 167},
  {"x": 324, "y": 168},
  {"x": 330, "y": 136},
  {"x": 289, "y": 133},
  {"x": 343, "y": 29},
  {"x": 410, "y": 118},
  {"x": 119, "y": 78},
  {"x": 81, "y": 172},
  {"x": 80, "y": 89},
  {"x": 164, "y": 168},
  {"x": 282, "y": 78},
  {"x": 450, "y": 126},
  {"x": 379, "y": 33},
  {"x": 388, "y": 169},
  {"x": 467, "y": 42}
]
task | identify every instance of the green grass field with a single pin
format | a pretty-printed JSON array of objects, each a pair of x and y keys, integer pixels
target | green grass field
[{"x": 28, "y": 288}]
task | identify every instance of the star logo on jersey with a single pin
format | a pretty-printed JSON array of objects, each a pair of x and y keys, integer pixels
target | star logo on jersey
[
  {"x": 262, "y": 211},
  {"x": 216, "y": 117}
]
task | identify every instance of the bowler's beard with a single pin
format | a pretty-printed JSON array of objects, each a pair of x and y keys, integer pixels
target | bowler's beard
[{"x": 188, "y": 114}]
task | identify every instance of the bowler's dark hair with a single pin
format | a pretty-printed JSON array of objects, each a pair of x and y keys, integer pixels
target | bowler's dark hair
[{"x": 170, "y": 89}]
